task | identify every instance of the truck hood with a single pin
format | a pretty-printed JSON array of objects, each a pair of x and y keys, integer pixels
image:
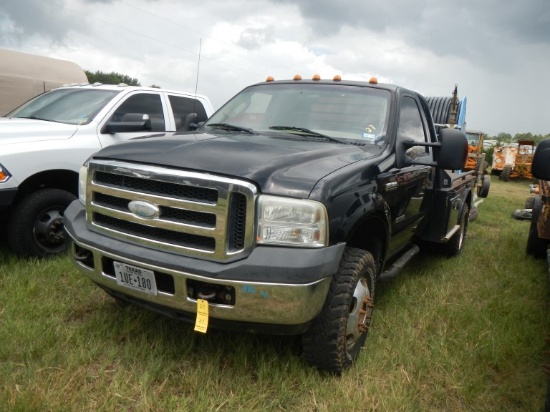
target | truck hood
[
  {"x": 15, "y": 130},
  {"x": 283, "y": 165}
]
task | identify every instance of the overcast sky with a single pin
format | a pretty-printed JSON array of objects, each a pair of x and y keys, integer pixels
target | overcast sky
[{"x": 497, "y": 51}]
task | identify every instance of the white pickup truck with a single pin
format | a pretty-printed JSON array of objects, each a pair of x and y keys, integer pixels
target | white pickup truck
[{"x": 44, "y": 142}]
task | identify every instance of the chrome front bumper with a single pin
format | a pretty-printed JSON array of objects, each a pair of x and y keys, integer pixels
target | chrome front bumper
[{"x": 272, "y": 286}]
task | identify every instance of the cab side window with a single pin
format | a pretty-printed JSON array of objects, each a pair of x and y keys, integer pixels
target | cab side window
[
  {"x": 143, "y": 103},
  {"x": 182, "y": 106},
  {"x": 411, "y": 127}
]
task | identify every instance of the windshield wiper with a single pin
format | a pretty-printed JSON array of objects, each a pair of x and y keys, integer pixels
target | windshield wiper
[
  {"x": 231, "y": 127},
  {"x": 307, "y": 132}
]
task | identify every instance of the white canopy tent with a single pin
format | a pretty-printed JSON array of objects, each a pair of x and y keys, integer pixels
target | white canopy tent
[{"x": 23, "y": 76}]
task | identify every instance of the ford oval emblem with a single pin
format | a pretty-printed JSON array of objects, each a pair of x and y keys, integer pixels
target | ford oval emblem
[{"x": 144, "y": 209}]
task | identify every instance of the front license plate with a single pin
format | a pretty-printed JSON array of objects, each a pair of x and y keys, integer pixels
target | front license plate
[{"x": 136, "y": 278}]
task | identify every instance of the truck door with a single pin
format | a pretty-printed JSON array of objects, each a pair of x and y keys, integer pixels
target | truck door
[
  {"x": 141, "y": 103},
  {"x": 403, "y": 189}
]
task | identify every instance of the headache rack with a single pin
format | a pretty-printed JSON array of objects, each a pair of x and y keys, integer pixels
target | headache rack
[{"x": 198, "y": 215}]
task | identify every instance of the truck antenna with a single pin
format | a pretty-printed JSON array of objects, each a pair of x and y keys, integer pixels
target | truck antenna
[{"x": 198, "y": 67}]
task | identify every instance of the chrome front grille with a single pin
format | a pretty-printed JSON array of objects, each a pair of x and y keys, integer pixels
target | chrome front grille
[{"x": 199, "y": 215}]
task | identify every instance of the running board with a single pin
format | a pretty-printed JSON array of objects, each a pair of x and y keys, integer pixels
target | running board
[{"x": 399, "y": 264}]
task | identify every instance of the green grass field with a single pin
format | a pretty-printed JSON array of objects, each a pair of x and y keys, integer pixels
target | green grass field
[{"x": 460, "y": 334}]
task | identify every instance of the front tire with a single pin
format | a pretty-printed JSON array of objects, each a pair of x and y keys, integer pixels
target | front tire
[
  {"x": 337, "y": 335},
  {"x": 36, "y": 226},
  {"x": 506, "y": 172}
]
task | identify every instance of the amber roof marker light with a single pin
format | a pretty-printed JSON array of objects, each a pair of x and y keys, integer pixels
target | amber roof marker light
[
  {"x": 373, "y": 80},
  {"x": 269, "y": 79},
  {"x": 337, "y": 78}
]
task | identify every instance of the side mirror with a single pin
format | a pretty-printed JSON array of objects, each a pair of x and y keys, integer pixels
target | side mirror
[
  {"x": 541, "y": 161},
  {"x": 411, "y": 152},
  {"x": 453, "y": 151},
  {"x": 129, "y": 122},
  {"x": 190, "y": 122},
  {"x": 450, "y": 153}
]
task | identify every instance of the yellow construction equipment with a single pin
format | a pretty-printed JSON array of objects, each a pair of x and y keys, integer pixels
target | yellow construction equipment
[{"x": 513, "y": 160}]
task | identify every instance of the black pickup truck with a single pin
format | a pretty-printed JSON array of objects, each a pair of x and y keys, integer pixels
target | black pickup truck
[{"x": 278, "y": 214}]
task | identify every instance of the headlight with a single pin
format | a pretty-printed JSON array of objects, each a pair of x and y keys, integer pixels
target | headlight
[
  {"x": 82, "y": 180},
  {"x": 4, "y": 174},
  {"x": 291, "y": 222}
]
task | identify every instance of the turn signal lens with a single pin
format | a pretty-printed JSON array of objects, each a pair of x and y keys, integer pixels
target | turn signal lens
[
  {"x": 82, "y": 182},
  {"x": 4, "y": 175}
]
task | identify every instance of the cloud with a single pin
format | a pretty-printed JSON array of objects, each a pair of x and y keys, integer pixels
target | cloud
[
  {"x": 254, "y": 38},
  {"x": 471, "y": 29},
  {"x": 26, "y": 19},
  {"x": 498, "y": 52}
]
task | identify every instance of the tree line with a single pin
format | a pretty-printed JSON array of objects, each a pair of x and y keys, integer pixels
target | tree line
[
  {"x": 113, "y": 78},
  {"x": 503, "y": 138}
]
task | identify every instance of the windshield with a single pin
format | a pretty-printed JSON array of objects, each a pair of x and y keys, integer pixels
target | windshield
[
  {"x": 353, "y": 113},
  {"x": 70, "y": 106},
  {"x": 473, "y": 138}
]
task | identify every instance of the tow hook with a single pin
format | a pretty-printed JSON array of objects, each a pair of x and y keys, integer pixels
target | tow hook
[
  {"x": 212, "y": 292},
  {"x": 82, "y": 255}
]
